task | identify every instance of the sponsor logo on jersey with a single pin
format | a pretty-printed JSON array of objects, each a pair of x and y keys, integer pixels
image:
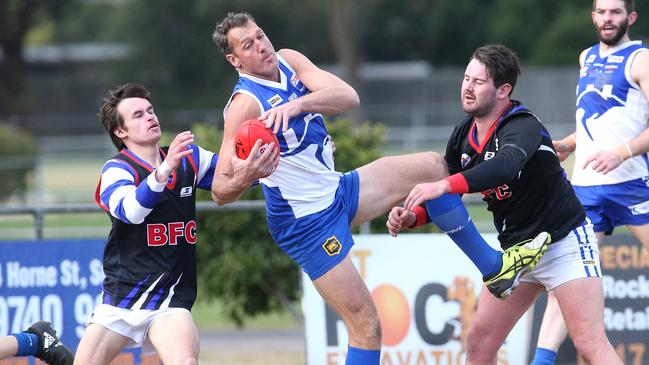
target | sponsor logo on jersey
[
  {"x": 186, "y": 191},
  {"x": 275, "y": 100},
  {"x": 489, "y": 155},
  {"x": 616, "y": 59},
  {"x": 296, "y": 83},
  {"x": 590, "y": 58},
  {"x": 294, "y": 80},
  {"x": 292, "y": 97},
  {"x": 464, "y": 160},
  {"x": 332, "y": 246}
]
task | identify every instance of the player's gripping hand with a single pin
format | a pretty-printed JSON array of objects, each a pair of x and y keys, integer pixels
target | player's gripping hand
[
  {"x": 604, "y": 161},
  {"x": 257, "y": 165},
  {"x": 427, "y": 191},
  {"x": 177, "y": 150},
  {"x": 400, "y": 219},
  {"x": 279, "y": 116}
]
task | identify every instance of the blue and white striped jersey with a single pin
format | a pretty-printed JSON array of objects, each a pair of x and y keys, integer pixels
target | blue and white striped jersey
[
  {"x": 150, "y": 254},
  {"x": 611, "y": 110},
  {"x": 305, "y": 181}
]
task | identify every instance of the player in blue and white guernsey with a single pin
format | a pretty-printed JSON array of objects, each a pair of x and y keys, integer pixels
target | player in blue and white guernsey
[
  {"x": 149, "y": 193},
  {"x": 310, "y": 206},
  {"x": 504, "y": 152},
  {"x": 611, "y": 169}
]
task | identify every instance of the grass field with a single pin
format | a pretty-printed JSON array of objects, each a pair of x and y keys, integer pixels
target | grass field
[{"x": 209, "y": 317}]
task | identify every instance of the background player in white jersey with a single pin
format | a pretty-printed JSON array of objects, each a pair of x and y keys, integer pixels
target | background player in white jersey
[
  {"x": 310, "y": 206},
  {"x": 150, "y": 255},
  {"x": 40, "y": 341},
  {"x": 611, "y": 170},
  {"x": 503, "y": 151}
]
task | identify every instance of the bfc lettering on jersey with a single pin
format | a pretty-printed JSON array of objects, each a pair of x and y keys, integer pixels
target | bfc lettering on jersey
[
  {"x": 159, "y": 234},
  {"x": 610, "y": 110},
  {"x": 305, "y": 181},
  {"x": 501, "y": 192}
]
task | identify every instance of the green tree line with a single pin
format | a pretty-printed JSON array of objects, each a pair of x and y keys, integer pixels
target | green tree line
[{"x": 172, "y": 51}]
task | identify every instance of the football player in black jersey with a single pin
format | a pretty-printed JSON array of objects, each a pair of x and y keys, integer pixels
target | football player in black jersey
[
  {"x": 502, "y": 150},
  {"x": 150, "y": 256}
]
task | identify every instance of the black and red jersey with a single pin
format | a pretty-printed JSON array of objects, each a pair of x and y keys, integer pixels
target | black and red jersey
[
  {"x": 150, "y": 255},
  {"x": 519, "y": 175}
]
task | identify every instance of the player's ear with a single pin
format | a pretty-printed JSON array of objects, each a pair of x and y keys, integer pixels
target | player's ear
[
  {"x": 633, "y": 16},
  {"x": 119, "y": 132},
  {"x": 504, "y": 90},
  {"x": 234, "y": 61}
]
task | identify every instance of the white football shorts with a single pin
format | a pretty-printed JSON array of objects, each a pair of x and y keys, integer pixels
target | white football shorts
[
  {"x": 573, "y": 257},
  {"x": 133, "y": 324}
]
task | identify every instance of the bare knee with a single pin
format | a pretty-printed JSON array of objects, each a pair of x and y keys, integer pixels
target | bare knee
[
  {"x": 587, "y": 346},
  {"x": 439, "y": 168},
  {"x": 364, "y": 327},
  {"x": 480, "y": 346},
  {"x": 190, "y": 361}
]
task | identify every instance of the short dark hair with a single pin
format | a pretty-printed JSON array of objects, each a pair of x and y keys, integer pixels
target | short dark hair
[
  {"x": 108, "y": 114},
  {"x": 501, "y": 62},
  {"x": 628, "y": 4},
  {"x": 232, "y": 20}
]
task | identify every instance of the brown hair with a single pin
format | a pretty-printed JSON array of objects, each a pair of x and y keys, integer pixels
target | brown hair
[
  {"x": 628, "y": 4},
  {"x": 232, "y": 20},
  {"x": 108, "y": 114},
  {"x": 502, "y": 64}
]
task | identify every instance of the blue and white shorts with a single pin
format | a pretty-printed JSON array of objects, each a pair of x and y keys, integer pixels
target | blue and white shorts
[
  {"x": 610, "y": 206},
  {"x": 573, "y": 257},
  {"x": 319, "y": 241}
]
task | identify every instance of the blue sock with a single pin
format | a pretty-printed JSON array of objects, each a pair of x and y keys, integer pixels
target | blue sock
[
  {"x": 544, "y": 357},
  {"x": 450, "y": 215},
  {"x": 356, "y": 356},
  {"x": 27, "y": 343}
]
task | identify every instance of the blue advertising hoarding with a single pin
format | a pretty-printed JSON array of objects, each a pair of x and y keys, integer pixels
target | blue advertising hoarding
[{"x": 57, "y": 281}]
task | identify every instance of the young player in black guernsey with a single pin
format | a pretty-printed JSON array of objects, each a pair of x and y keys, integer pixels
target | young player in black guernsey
[
  {"x": 150, "y": 256},
  {"x": 503, "y": 151}
]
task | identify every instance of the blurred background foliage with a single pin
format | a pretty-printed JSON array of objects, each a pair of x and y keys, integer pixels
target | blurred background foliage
[
  {"x": 17, "y": 159},
  {"x": 171, "y": 51}
]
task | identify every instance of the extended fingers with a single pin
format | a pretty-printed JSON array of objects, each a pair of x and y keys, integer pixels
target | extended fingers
[
  {"x": 414, "y": 199},
  {"x": 181, "y": 141}
]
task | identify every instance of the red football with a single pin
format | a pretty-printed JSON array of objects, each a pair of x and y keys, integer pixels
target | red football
[{"x": 248, "y": 133}]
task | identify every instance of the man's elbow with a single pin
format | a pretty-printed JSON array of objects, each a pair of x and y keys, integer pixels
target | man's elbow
[
  {"x": 218, "y": 199},
  {"x": 354, "y": 100}
]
